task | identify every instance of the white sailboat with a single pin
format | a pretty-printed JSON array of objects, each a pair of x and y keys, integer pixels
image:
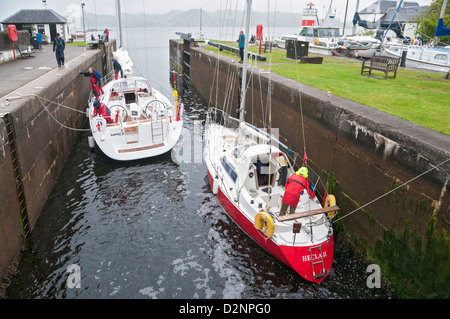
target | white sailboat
[
  {"x": 143, "y": 122},
  {"x": 248, "y": 173}
]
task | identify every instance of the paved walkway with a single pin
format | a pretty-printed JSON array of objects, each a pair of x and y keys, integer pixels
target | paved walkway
[{"x": 15, "y": 74}]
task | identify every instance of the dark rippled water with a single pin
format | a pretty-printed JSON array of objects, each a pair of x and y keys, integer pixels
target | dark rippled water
[{"x": 153, "y": 229}]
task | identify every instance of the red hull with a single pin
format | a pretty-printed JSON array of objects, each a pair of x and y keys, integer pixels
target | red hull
[{"x": 297, "y": 258}]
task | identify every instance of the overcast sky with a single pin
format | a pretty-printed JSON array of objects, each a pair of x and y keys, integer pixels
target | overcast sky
[{"x": 73, "y": 7}]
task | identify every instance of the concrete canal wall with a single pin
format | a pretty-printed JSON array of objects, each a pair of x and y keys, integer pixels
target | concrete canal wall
[
  {"x": 360, "y": 153},
  {"x": 42, "y": 144}
]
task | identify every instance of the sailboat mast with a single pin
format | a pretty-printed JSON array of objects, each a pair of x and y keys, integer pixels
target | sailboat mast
[
  {"x": 119, "y": 23},
  {"x": 244, "y": 65}
]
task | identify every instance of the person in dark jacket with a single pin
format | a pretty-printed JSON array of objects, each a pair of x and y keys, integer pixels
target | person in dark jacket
[
  {"x": 295, "y": 186},
  {"x": 99, "y": 79},
  {"x": 100, "y": 109},
  {"x": 117, "y": 68},
  {"x": 58, "y": 46},
  {"x": 94, "y": 77}
]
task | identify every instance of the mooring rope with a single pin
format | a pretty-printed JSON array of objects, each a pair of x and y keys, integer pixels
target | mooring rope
[
  {"x": 41, "y": 99},
  {"x": 379, "y": 197}
]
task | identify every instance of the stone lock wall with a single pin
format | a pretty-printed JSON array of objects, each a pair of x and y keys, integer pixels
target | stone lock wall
[{"x": 45, "y": 133}]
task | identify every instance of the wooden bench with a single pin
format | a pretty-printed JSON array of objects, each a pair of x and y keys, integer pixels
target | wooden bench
[
  {"x": 24, "y": 51},
  {"x": 312, "y": 59},
  {"x": 381, "y": 63}
]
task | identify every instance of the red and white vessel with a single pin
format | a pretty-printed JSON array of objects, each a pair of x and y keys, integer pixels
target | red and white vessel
[
  {"x": 248, "y": 169},
  {"x": 309, "y": 16}
]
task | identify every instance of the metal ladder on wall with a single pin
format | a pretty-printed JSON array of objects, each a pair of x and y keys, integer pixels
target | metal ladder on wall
[
  {"x": 319, "y": 264},
  {"x": 17, "y": 171}
]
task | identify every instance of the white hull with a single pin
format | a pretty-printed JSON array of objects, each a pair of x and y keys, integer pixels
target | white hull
[
  {"x": 315, "y": 49},
  {"x": 432, "y": 59},
  {"x": 322, "y": 40},
  {"x": 145, "y": 125}
]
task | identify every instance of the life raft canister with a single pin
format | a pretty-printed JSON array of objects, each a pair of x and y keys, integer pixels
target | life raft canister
[
  {"x": 12, "y": 33},
  {"x": 259, "y": 32},
  {"x": 316, "y": 41},
  {"x": 330, "y": 201},
  {"x": 264, "y": 222}
]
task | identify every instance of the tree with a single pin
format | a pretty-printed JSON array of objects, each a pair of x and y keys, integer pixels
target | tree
[{"x": 428, "y": 19}]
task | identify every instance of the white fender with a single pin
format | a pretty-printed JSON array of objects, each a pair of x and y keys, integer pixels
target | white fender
[
  {"x": 215, "y": 185},
  {"x": 91, "y": 141}
]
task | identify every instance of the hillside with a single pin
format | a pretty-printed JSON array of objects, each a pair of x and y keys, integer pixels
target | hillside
[{"x": 191, "y": 18}]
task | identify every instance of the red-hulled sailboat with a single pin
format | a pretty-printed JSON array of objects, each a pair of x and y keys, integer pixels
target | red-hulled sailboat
[{"x": 248, "y": 169}]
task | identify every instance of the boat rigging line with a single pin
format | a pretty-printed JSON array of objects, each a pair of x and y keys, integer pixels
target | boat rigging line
[{"x": 392, "y": 190}]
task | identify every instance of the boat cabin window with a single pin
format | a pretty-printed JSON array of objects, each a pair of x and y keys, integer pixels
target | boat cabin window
[
  {"x": 132, "y": 85},
  {"x": 303, "y": 32},
  {"x": 142, "y": 86},
  {"x": 325, "y": 33},
  {"x": 229, "y": 169},
  {"x": 440, "y": 57},
  {"x": 238, "y": 151}
]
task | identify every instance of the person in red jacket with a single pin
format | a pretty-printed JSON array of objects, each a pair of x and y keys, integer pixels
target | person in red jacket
[
  {"x": 100, "y": 109},
  {"x": 294, "y": 187}
]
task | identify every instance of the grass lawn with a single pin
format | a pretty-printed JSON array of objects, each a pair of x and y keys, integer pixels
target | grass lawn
[
  {"x": 76, "y": 44},
  {"x": 417, "y": 96}
]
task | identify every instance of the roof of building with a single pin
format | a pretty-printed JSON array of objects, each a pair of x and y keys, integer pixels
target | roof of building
[
  {"x": 385, "y": 5},
  {"x": 404, "y": 14},
  {"x": 29, "y": 16}
]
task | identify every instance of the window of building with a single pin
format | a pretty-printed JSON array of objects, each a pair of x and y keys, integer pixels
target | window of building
[{"x": 41, "y": 29}]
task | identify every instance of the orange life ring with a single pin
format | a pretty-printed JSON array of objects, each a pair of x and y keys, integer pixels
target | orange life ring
[{"x": 316, "y": 41}]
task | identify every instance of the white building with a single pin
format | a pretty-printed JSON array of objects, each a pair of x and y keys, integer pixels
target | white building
[
  {"x": 44, "y": 21},
  {"x": 380, "y": 14}
]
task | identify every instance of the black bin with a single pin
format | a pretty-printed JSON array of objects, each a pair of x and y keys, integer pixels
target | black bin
[
  {"x": 33, "y": 42},
  {"x": 296, "y": 49}
]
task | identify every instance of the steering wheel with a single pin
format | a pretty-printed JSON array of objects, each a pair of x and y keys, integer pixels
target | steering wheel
[
  {"x": 123, "y": 113},
  {"x": 153, "y": 110}
]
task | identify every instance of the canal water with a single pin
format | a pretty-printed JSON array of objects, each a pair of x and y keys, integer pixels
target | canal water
[{"x": 153, "y": 229}]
